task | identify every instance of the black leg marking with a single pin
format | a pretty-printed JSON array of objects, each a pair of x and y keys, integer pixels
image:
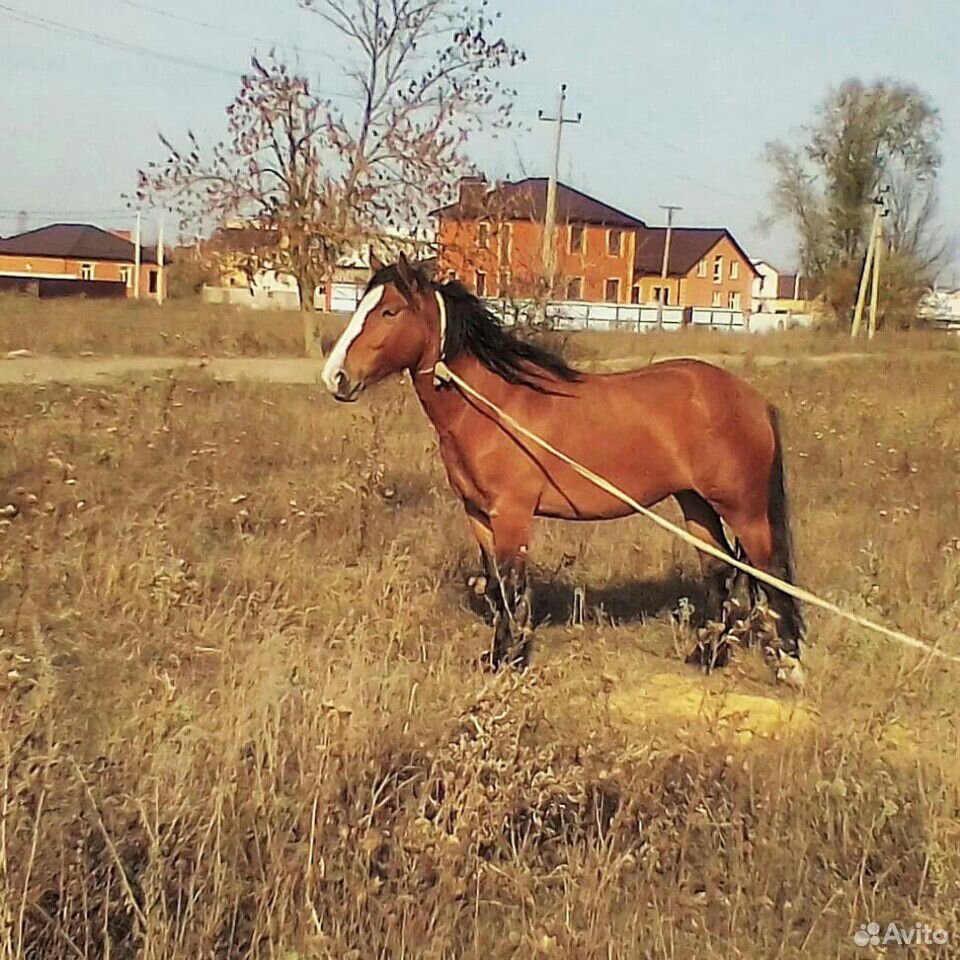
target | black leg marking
[{"x": 513, "y": 630}]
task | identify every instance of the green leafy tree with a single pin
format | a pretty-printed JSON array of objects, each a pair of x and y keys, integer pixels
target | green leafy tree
[{"x": 864, "y": 139}]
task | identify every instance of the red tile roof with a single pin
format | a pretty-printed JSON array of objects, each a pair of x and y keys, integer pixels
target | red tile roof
[
  {"x": 527, "y": 200},
  {"x": 74, "y": 241},
  {"x": 688, "y": 245}
]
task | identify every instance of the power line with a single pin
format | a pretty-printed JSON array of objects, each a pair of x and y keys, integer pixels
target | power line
[
  {"x": 55, "y": 25},
  {"x": 218, "y": 28},
  {"x": 711, "y": 188},
  {"x": 655, "y": 137},
  {"x": 67, "y": 213},
  {"x": 122, "y": 45}
]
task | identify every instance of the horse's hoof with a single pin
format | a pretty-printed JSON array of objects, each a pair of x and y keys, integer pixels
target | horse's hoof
[
  {"x": 487, "y": 662},
  {"x": 790, "y": 672},
  {"x": 710, "y": 656},
  {"x": 478, "y": 585},
  {"x": 492, "y": 663}
]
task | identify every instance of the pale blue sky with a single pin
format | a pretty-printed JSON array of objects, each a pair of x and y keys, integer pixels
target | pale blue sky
[{"x": 679, "y": 96}]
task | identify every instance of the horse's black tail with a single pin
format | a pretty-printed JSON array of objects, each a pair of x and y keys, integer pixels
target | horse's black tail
[{"x": 792, "y": 629}]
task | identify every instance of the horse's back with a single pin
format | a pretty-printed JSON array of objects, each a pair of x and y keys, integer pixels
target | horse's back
[
  {"x": 674, "y": 368},
  {"x": 671, "y": 426},
  {"x": 683, "y": 385}
]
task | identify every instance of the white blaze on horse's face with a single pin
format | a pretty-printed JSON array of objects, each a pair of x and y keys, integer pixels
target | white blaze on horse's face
[{"x": 334, "y": 370}]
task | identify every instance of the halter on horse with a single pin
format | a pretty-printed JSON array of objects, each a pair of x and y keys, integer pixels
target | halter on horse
[{"x": 681, "y": 428}]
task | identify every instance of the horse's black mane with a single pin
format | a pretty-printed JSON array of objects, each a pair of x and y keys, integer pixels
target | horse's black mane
[{"x": 474, "y": 329}]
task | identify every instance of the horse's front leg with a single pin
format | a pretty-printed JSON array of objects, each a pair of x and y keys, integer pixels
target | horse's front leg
[
  {"x": 482, "y": 583},
  {"x": 513, "y": 631}
]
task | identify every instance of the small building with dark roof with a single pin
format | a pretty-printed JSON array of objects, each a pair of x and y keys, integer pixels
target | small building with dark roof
[
  {"x": 77, "y": 258},
  {"x": 707, "y": 268}
]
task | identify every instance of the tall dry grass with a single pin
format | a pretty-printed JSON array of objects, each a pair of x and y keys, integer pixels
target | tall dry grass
[
  {"x": 181, "y": 328},
  {"x": 242, "y": 714},
  {"x": 190, "y": 328}
]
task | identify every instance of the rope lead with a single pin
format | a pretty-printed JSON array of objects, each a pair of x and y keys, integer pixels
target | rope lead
[{"x": 444, "y": 374}]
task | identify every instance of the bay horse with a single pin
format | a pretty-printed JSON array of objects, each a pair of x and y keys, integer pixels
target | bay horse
[{"x": 680, "y": 428}]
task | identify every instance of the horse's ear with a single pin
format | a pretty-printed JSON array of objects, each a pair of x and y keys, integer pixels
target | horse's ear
[
  {"x": 407, "y": 273},
  {"x": 376, "y": 264}
]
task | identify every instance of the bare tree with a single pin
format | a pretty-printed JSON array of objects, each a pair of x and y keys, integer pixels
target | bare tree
[
  {"x": 864, "y": 138},
  {"x": 425, "y": 73},
  {"x": 269, "y": 171},
  {"x": 318, "y": 179}
]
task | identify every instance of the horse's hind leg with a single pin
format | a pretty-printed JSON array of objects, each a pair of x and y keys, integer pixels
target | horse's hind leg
[
  {"x": 704, "y": 522},
  {"x": 759, "y": 541}
]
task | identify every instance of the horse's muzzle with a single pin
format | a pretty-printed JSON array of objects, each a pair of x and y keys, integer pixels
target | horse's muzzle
[{"x": 345, "y": 391}]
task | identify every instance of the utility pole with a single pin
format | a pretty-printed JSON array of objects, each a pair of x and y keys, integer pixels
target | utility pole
[
  {"x": 865, "y": 277},
  {"x": 137, "y": 257},
  {"x": 550, "y": 219},
  {"x": 871, "y": 267},
  {"x": 665, "y": 269},
  {"x": 160, "y": 274},
  {"x": 875, "y": 291}
]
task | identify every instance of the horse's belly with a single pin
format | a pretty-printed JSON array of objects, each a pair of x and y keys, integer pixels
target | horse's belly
[{"x": 579, "y": 499}]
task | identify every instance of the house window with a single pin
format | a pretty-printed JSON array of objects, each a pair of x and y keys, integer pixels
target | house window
[
  {"x": 611, "y": 290},
  {"x": 575, "y": 288},
  {"x": 86, "y": 271},
  {"x": 718, "y": 270},
  {"x": 635, "y": 293},
  {"x": 506, "y": 244},
  {"x": 717, "y": 301},
  {"x": 153, "y": 281},
  {"x": 125, "y": 275},
  {"x": 734, "y": 269},
  {"x": 702, "y": 268},
  {"x": 614, "y": 243},
  {"x": 481, "y": 284},
  {"x": 576, "y": 238},
  {"x": 664, "y": 292},
  {"x": 733, "y": 301},
  {"x": 483, "y": 236}
]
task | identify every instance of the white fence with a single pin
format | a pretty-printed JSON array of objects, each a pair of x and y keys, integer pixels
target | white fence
[
  {"x": 255, "y": 299},
  {"x": 947, "y": 325},
  {"x": 612, "y": 316},
  {"x": 344, "y": 297},
  {"x": 642, "y": 318},
  {"x": 563, "y": 315}
]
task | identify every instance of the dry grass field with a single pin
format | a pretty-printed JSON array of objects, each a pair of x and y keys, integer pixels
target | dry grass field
[
  {"x": 188, "y": 328},
  {"x": 242, "y": 713}
]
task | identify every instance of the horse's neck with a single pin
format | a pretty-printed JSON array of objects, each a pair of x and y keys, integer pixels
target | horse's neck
[{"x": 446, "y": 407}]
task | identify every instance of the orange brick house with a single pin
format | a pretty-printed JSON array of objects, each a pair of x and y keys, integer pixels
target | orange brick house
[
  {"x": 80, "y": 257},
  {"x": 491, "y": 238}
]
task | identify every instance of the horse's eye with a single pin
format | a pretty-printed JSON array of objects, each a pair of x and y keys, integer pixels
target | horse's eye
[{"x": 390, "y": 313}]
